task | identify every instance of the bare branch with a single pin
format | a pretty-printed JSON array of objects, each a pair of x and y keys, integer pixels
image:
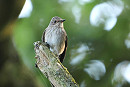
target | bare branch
[{"x": 52, "y": 68}]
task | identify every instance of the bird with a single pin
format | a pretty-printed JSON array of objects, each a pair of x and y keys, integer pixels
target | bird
[{"x": 56, "y": 38}]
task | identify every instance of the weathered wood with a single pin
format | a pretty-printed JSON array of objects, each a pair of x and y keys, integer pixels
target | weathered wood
[{"x": 52, "y": 68}]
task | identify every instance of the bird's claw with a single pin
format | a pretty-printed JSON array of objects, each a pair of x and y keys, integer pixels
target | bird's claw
[{"x": 47, "y": 45}]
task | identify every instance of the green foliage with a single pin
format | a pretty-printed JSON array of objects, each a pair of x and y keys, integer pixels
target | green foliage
[{"x": 106, "y": 46}]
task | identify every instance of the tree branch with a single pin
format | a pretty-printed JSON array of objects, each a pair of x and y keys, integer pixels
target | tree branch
[{"x": 52, "y": 68}]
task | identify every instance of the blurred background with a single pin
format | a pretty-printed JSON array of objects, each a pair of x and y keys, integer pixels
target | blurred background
[{"x": 98, "y": 53}]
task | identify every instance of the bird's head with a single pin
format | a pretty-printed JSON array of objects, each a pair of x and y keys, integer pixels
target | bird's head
[{"x": 57, "y": 21}]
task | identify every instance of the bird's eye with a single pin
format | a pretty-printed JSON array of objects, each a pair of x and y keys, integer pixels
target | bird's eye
[{"x": 54, "y": 21}]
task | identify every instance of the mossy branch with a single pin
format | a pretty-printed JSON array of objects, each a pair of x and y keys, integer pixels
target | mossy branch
[{"x": 52, "y": 68}]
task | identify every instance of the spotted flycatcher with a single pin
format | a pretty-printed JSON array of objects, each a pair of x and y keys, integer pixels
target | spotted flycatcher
[{"x": 56, "y": 37}]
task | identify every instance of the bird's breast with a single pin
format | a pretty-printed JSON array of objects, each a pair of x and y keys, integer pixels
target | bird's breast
[{"x": 56, "y": 39}]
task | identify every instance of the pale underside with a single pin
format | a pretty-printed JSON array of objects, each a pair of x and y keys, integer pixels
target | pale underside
[{"x": 55, "y": 37}]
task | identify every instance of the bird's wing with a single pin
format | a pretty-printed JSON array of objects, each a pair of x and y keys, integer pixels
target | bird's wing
[
  {"x": 43, "y": 36},
  {"x": 61, "y": 56}
]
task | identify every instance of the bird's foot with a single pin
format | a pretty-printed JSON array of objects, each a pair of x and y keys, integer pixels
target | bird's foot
[{"x": 47, "y": 45}]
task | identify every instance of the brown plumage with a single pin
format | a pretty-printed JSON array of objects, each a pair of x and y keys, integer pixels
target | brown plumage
[{"x": 56, "y": 37}]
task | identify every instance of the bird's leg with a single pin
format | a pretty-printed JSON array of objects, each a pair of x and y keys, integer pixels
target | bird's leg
[{"x": 47, "y": 45}]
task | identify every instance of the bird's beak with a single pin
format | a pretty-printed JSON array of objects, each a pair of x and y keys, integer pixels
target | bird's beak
[{"x": 62, "y": 20}]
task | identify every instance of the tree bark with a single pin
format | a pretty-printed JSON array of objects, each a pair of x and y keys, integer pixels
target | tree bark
[{"x": 52, "y": 68}]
